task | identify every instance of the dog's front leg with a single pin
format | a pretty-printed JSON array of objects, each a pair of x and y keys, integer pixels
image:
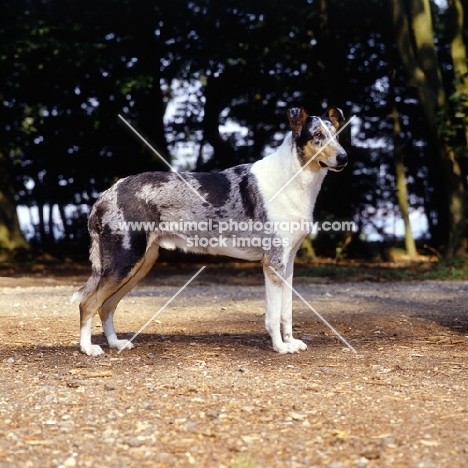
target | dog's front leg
[
  {"x": 111, "y": 335},
  {"x": 286, "y": 308},
  {"x": 274, "y": 292}
]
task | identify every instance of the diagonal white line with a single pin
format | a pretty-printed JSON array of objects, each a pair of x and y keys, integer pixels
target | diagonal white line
[
  {"x": 161, "y": 158},
  {"x": 311, "y": 159},
  {"x": 162, "y": 308},
  {"x": 314, "y": 311}
]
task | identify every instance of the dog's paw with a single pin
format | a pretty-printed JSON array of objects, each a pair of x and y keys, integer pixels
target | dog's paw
[
  {"x": 121, "y": 344},
  {"x": 290, "y": 346},
  {"x": 299, "y": 344},
  {"x": 92, "y": 350},
  {"x": 285, "y": 348}
]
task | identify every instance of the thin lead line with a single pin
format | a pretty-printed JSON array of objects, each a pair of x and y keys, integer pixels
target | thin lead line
[
  {"x": 162, "y": 159},
  {"x": 162, "y": 308},
  {"x": 311, "y": 159},
  {"x": 314, "y": 311}
]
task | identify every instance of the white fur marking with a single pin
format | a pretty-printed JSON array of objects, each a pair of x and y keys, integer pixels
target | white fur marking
[
  {"x": 109, "y": 331},
  {"x": 167, "y": 244},
  {"x": 85, "y": 341}
]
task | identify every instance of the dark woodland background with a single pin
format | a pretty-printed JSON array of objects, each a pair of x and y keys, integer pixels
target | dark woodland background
[{"x": 181, "y": 70}]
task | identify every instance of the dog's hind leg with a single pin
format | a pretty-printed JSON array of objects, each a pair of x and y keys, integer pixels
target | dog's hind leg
[
  {"x": 87, "y": 312},
  {"x": 106, "y": 312},
  {"x": 104, "y": 299}
]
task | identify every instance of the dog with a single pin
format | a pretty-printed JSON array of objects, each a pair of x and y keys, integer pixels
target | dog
[{"x": 281, "y": 188}]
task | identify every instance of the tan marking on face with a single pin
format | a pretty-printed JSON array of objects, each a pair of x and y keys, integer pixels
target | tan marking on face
[{"x": 326, "y": 153}]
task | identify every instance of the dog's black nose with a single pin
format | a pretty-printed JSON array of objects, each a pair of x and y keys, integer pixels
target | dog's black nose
[{"x": 342, "y": 158}]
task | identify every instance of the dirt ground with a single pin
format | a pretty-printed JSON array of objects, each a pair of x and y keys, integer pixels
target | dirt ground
[{"x": 203, "y": 387}]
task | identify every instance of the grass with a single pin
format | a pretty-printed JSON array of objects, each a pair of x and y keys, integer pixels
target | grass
[{"x": 455, "y": 269}]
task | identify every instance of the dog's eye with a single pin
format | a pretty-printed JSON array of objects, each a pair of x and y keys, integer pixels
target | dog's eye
[{"x": 318, "y": 135}]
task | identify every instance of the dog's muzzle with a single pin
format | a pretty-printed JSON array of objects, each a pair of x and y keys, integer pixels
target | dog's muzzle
[{"x": 341, "y": 163}]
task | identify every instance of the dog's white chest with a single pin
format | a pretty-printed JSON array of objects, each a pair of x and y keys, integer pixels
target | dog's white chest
[{"x": 289, "y": 193}]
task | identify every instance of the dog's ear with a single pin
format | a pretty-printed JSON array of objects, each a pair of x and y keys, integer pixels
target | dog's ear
[
  {"x": 335, "y": 116},
  {"x": 297, "y": 117}
]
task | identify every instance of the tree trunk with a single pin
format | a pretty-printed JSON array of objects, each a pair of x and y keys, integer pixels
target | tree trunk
[
  {"x": 42, "y": 231},
  {"x": 458, "y": 52},
  {"x": 63, "y": 217},
  {"x": 414, "y": 38},
  {"x": 402, "y": 189},
  {"x": 224, "y": 155},
  {"x": 460, "y": 70},
  {"x": 151, "y": 107},
  {"x": 51, "y": 224},
  {"x": 11, "y": 237}
]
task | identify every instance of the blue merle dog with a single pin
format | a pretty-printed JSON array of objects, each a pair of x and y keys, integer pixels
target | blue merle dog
[{"x": 279, "y": 188}]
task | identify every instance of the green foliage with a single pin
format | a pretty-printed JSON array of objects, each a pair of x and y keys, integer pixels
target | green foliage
[
  {"x": 443, "y": 270},
  {"x": 452, "y": 120},
  {"x": 453, "y": 269}
]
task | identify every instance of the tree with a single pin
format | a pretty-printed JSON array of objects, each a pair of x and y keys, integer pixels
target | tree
[
  {"x": 414, "y": 35},
  {"x": 11, "y": 237},
  {"x": 400, "y": 176}
]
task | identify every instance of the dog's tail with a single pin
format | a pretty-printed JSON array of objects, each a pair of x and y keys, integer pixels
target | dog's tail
[{"x": 96, "y": 266}]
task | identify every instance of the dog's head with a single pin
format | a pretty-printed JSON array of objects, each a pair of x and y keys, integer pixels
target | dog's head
[{"x": 315, "y": 138}]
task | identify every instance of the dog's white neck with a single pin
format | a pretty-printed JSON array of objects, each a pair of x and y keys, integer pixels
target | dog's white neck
[{"x": 282, "y": 180}]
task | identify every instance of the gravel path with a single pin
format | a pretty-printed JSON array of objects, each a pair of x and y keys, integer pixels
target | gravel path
[{"x": 203, "y": 387}]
